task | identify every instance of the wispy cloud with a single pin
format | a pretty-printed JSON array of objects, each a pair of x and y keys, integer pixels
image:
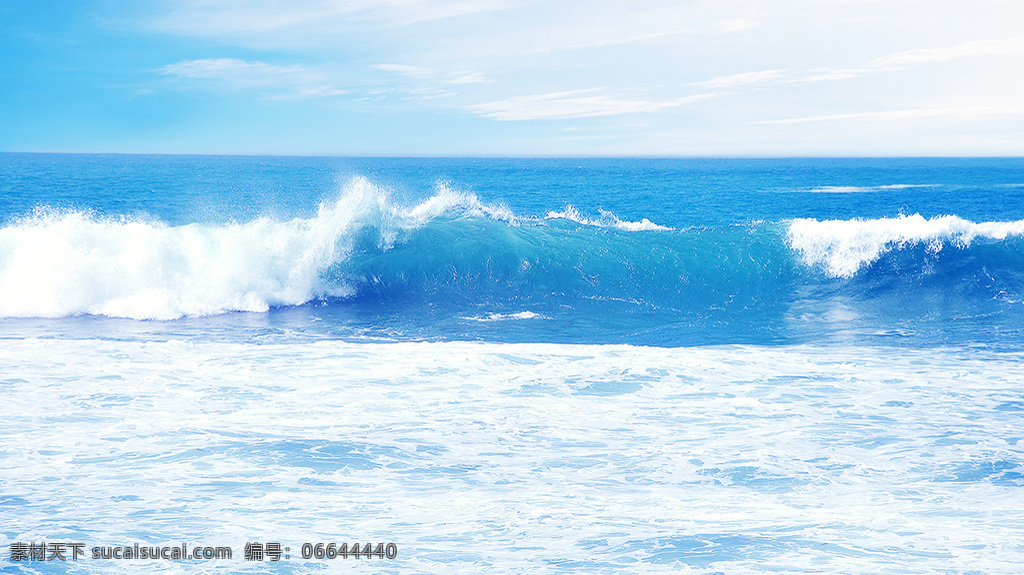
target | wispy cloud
[
  {"x": 891, "y": 62},
  {"x": 888, "y": 115},
  {"x": 606, "y": 41},
  {"x": 572, "y": 104},
  {"x": 231, "y": 73},
  {"x": 745, "y": 79},
  {"x": 945, "y": 53},
  {"x": 457, "y": 76},
  {"x": 775, "y": 77},
  {"x": 404, "y": 69},
  {"x": 309, "y": 17},
  {"x": 467, "y": 77}
]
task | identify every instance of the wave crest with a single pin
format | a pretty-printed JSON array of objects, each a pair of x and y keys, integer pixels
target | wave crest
[
  {"x": 843, "y": 247},
  {"x": 55, "y": 264},
  {"x": 607, "y": 220}
]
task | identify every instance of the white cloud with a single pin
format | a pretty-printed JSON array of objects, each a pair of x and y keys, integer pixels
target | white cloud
[
  {"x": 946, "y": 53},
  {"x": 780, "y": 77},
  {"x": 403, "y": 69},
  {"x": 837, "y": 62},
  {"x": 890, "y": 115},
  {"x": 825, "y": 75},
  {"x": 422, "y": 73},
  {"x": 465, "y": 77},
  {"x": 606, "y": 41},
  {"x": 299, "y": 19},
  {"x": 572, "y": 104},
  {"x": 232, "y": 70},
  {"x": 231, "y": 73},
  {"x": 745, "y": 79},
  {"x": 891, "y": 62}
]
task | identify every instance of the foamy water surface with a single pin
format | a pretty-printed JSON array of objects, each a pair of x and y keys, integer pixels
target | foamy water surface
[{"x": 521, "y": 458}]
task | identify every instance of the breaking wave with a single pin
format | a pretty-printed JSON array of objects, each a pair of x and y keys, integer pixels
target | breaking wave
[{"x": 454, "y": 250}]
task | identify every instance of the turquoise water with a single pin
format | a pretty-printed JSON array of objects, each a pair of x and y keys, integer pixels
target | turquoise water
[
  {"x": 517, "y": 365},
  {"x": 648, "y": 252}
]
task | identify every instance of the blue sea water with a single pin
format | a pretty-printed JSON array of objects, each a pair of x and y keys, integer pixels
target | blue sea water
[{"x": 571, "y": 365}]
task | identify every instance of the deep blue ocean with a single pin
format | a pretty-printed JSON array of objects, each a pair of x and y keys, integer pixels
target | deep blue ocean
[{"x": 565, "y": 365}]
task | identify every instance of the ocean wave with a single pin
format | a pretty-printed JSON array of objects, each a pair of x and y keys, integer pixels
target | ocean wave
[
  {"x": 607, "y": 220},
  {"x": 58, "y": 263},
  {"x": 844, "y": 247},
  {"x": 482, "y": 262}
]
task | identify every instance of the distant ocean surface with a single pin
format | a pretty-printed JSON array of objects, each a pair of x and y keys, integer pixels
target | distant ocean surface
[{"x": 516, "y": 365}]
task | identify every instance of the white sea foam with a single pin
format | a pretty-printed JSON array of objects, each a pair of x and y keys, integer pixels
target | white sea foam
[
  {"x": 506, "y": 316},
  {"x": 532, "y": 458},
  {"x": 54, "y": 264},
  {"x": 607, "y": 220},
  {"x": 844, "y": 247},
  {"x": 862, "y": 189},
  {"x": 837, "y": 190},
  {"x": 904, "y": 186},
  {"x": 447, "y": 201}
]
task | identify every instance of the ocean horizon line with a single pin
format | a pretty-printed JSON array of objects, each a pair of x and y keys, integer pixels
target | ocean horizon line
[{"x": 768, "y": 157}]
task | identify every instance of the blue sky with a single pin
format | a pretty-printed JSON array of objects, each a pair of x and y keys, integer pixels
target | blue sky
[{"x": 514, "y": 77}]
